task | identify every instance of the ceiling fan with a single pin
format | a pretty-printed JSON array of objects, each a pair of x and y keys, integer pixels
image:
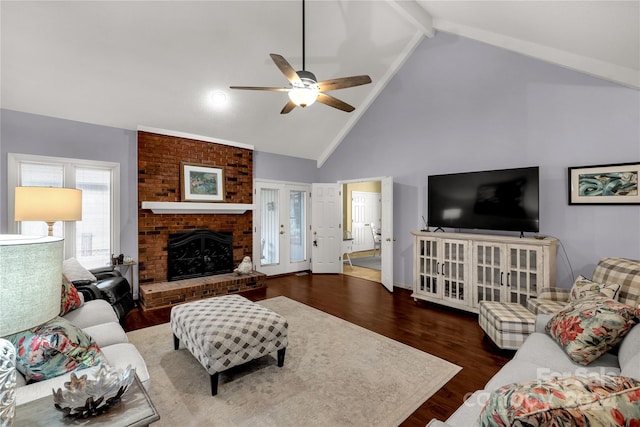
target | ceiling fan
[{"x": 305, "y": 89}]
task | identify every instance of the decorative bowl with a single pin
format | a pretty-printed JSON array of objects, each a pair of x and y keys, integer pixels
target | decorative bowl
[{"x": 88, "y": 396}]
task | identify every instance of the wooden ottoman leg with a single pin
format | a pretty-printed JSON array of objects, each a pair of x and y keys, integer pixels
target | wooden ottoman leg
[
  {"x": 281, "y": 353},
  {"x": 214, "y": 384},
  {"x": 176, "y": 342}
]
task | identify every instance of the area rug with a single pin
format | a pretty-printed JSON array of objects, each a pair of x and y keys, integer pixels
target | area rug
[
  {"x": 335, "y": 374},
  {"x": 373, "y": 262}
]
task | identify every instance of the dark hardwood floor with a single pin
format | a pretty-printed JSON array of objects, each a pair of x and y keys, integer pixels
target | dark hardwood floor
[{"x": 449, "y": 334}]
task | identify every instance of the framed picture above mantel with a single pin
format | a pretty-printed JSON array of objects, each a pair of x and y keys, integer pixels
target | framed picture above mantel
[
  {"x": 201, "y": 183},
  {"x": 604, "y": 184}
]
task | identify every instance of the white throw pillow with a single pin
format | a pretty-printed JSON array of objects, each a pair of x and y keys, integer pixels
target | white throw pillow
[{"x": 75, "y": 271}]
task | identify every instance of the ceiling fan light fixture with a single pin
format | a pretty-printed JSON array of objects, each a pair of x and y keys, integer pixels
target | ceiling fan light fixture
[
  {"x": 303, "y": 96},
  {"x": 306, "y": 91}
]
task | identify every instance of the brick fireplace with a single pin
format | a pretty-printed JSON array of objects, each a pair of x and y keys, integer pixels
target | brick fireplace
[
  {"x": 159, "y": 160},
  {"x": 199, "y": 253}
]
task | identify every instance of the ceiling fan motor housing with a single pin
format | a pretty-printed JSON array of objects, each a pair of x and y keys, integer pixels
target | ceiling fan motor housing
[{"x": 307, "y": 77}]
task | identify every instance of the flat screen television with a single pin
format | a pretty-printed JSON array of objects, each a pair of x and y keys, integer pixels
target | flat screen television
[{"x": 506, "y": 199}]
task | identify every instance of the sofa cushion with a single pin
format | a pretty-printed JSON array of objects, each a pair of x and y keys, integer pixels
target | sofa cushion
[
  {"x": 52, "y": 349},
  {"x": 516, "y": 371},
  {"x": 583, "y": 287},
  {"x": 106, "y": 334},
  {"x": 632, "y": 367},
  {"x": 589, "y": 327},
  {"x": 92, "y": 313},
  {"x": 75, "y": 271},
  {"x": 598, "y": 400},
  {"x": 628, "y": 350},
  {"x": 70, "y": 297},
  {"x": 123, "y": 354},
  {"x": 467, "y": 414},
  {"x": 543, "y": 350}
]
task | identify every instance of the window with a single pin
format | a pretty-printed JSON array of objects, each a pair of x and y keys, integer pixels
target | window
[{"x": 97, "y": 236}]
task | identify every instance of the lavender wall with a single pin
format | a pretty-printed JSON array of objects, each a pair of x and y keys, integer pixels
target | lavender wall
[
  {"x": 47, "y": 136},
  {"x": 284, "y": 168},
  {"x": 458, "y": 105}
]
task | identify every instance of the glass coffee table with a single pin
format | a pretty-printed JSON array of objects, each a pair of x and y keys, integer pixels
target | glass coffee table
[{"x": 135, "y": 410}]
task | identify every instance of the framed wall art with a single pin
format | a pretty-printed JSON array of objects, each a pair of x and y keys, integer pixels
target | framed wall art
[
  {"x": 604, "y": 184},
  {"x": 201, "y": 183}
]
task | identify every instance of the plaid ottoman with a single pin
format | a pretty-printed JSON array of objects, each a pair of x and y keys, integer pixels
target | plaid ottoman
[
  {"x": 507, "y": 324},
  {"x": 227, "y": 331}
]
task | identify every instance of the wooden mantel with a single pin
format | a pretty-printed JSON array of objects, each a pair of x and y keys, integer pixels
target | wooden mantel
[{"x": 197, "y": 208}]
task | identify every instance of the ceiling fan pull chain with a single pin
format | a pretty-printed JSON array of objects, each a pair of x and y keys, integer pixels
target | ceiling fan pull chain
[{"x": 303, "y": 38}]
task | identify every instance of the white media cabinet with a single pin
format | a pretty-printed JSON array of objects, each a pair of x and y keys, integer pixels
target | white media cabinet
[{"x": 459, "y": 270}]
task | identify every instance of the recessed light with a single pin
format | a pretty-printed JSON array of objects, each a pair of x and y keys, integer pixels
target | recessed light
[{"x": 218, "y": 97}]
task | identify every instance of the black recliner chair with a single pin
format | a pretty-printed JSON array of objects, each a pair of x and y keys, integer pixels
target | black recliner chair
[{"x": 111, "y": 286}]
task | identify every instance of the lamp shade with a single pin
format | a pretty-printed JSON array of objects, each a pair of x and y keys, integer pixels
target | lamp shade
[
  {"x": 30, "y": 281},
  {"x": 48, "y": 204}
]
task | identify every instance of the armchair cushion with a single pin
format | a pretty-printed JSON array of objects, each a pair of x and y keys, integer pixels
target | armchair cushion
[
  {"x": 554, "y": 294},
  {"x": 105, "y": 272},
  {"x": 53, "y": 349},
  {"x": 89, "y": 291}
]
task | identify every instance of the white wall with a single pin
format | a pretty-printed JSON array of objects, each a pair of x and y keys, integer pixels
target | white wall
[{"x": 458, "y": 105}]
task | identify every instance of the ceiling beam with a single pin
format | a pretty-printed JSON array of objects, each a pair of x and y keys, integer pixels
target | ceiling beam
[{"x": 415, "y": 14}]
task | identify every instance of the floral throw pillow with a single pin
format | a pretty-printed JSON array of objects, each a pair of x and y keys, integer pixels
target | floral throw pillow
[
  {"x": 588, "y": 328},
  {"x": 53, "y": 349},
  {"x": 584, "y": 287},
  {"x": 70, "y": 298},
  {"x": 564, "y": 402}
]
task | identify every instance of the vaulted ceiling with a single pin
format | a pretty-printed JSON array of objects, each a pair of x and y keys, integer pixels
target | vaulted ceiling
[{"x": 156, "y": 63}]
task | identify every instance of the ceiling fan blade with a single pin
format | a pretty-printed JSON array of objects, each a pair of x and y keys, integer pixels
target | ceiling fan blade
[
  {"x": 272, "y": 89},
  {"x": 288, "y": 107},
  {"x": 343, "y": 82},
  {"x": 334, "y": 102},
  {"x": 286, "y": 68}
]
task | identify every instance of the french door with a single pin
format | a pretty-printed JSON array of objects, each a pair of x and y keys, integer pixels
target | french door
[{"x": 281, "y": 221}]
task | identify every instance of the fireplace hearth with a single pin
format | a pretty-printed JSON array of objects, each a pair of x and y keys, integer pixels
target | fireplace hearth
[{"x": 199, "y": 253}]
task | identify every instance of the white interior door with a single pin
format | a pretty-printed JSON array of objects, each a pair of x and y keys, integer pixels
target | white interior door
[
  {"x": 326, "y": 230},
  {"x": 387, "y": 233},
  {"x": 365, "y": 210},
  {"x": 281, "y": 239}
]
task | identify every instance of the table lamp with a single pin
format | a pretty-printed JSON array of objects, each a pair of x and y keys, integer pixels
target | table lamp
[
  {"x": 30, "y": 291},
  {"x": 48, "y": 204}
]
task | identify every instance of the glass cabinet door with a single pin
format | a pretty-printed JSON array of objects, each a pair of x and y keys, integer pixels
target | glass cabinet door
[
  {"x": 453, "y": 271},
  {"x": 525, "y": 265},
  {"x": 489, "y": 276},
  {"x": 428, "y": 267}
]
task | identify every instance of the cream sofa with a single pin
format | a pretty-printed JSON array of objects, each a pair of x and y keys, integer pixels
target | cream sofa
[
  {"x": 98, "y": 319},
  {"x": 540, "y": 357}
]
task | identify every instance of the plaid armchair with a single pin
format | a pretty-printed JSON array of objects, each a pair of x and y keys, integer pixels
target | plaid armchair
[{"x": 624, "y": 272}]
